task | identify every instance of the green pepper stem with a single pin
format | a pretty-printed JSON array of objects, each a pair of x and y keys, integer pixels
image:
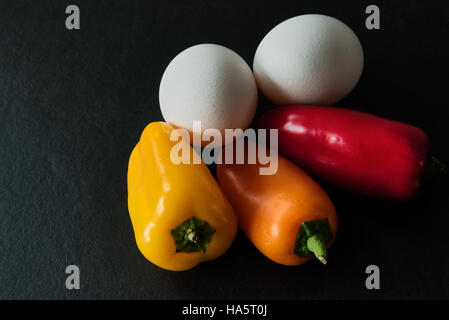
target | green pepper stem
[
  {"x": 316, "y": 245},
  {"x": 191, "y": 235},
  {"x": 437, "y": 164},
  {"x": 312, "y": 238},
  {"x": 434, "y": 167}
]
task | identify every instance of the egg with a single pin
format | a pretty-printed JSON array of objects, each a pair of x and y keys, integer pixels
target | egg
[
  {"x": 308, "y": 59},
  {"x": 208, "y": 83}
]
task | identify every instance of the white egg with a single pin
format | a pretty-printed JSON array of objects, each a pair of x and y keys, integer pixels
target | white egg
[
  {"x": 208, "y": 83},
  {"x": 308, "y": 59}
]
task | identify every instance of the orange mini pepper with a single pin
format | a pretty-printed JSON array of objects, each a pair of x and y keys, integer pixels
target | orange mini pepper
[{"x": 287, "y": 215}]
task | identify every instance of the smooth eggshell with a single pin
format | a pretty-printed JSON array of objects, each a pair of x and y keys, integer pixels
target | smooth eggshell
[
  {"x": 308, "y": 59},
  {"x": 209, "y": 83}
]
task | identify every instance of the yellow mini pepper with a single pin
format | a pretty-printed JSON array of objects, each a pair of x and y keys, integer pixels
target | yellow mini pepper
[{"x": 179, "y": 214}]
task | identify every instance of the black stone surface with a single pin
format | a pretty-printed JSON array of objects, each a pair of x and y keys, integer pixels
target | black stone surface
[{"x": 72, "y": 107}]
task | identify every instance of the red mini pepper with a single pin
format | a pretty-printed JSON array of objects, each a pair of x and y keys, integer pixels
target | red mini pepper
[{"x": 361, "y": 152}]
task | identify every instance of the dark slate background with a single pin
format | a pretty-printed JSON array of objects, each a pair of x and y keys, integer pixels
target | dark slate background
[{"x": 72, "y": 107}]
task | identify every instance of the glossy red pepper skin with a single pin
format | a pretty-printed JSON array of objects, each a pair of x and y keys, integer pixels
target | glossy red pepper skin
[{"x": 358, "y": 151}]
